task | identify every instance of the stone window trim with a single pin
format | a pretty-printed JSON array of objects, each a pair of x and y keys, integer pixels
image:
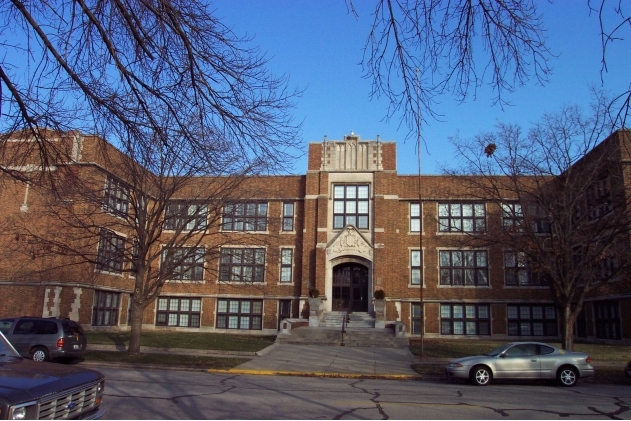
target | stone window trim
[
  {"x": 288, "y": 217},
  {"x": 249, "y": 261},
  {"x": 186, "y": 216},
  {"x": 116, "y": 197},
  {"x": 239, "y": 314},
  {"x": 415, "y": 218},
  {"x": 416, "y": 267},
  {"x": 286, "y": 265},
  {"x": 461, "y": 217},
  {"x": 248, "y": 217},
  {"x": 110, "y": 253},
  {"x": 465, "y": 319},
  {"x": 351, "y": 205},
  {"x": 105, "y": 308},
  {"x": 172, "y": 311},
  {"x": 463, "y": 268},
  {"x": 192, "y": 265}
]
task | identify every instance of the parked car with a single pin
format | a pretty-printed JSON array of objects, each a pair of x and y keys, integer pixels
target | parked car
[
  {"x": 31, "y": 390},
  {"x": 43, "y": 339},
  {"x": 523, "y": 360},
  {"x": 627, "y": 370}
]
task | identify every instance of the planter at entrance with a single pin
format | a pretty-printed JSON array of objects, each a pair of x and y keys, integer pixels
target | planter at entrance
[
  {"x": 315, "y": 311},
  {"x": 380, "y": 313}
]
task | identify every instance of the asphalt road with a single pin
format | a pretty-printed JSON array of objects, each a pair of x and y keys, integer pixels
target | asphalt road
[{"x": 163, "y": 394}]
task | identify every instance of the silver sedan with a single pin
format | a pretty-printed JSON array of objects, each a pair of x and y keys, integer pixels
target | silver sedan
[{"x": 523, "y": 360}]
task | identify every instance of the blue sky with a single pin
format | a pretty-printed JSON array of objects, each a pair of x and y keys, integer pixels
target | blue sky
[{"x": 318, "y": 44}]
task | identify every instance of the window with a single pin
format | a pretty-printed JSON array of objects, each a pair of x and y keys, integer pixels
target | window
[
  {"x": 465, "y": 319},
  {"x": 463, "y": 267},
  {"x": 417, "y": 318},
  {"x": 242, "y": 265},
  {"x": 350, "y": 205},
  {"x": 185, "y": 216},
  {"x": 461, "y": 217},
  {"x": 240, "y": 314},
  {"x": 116, "y": 197},
  {"x": 105, "y": 309},
  {"x": 518, "y": 273},
  {"x": 415, "y": 217},
  {"x": 607, "y": 266},
  {"x": 111, "y": 252},
  {"x": 179, "y": 312},
  {"x": 286, "y": 263},
  {"x": 598, "y": 198},
  {"x": 288, "y": 216},
  {"x": 416, "y": 267},
  {"x": 245, "y": 217},
  {"x": 607, "y": 319},
  {"x": 512, "y": 216},
  {"x": 531, "y": 320},
  {"x": 184, "y": 263}
]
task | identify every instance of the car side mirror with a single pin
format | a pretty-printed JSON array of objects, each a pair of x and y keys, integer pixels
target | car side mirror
[{"x": 502, "y": 355}]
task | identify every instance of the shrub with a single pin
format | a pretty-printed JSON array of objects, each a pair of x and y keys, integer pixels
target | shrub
[
  {"x": 314, "y": 293},
  {"x": 380, "y": 294}
]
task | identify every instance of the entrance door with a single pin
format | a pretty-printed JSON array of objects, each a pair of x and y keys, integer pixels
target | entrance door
[{"x": 350, "y": 287}]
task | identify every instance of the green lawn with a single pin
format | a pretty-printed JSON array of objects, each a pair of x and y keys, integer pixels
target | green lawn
[
  {"x": 162, "y": 339},
  {"x": 456, "y": 348},
  {"x": 189, "y": 361}
]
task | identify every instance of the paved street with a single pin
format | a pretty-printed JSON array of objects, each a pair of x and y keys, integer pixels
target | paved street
[{"x": 158, "y": 394}]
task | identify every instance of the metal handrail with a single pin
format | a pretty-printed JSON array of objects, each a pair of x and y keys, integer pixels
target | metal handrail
[{"x": 345, "y": 325}]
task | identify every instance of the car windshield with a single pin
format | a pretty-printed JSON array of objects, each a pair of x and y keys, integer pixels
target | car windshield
[
  {"x": 497, "y": 351},
  {"x": 6, "y": 349}
]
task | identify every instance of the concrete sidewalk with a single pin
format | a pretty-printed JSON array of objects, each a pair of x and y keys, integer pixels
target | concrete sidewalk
[{"x": 330, "y": 361}]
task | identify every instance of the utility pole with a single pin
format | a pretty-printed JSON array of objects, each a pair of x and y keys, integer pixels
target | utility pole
[{"x": 420, "y": 209}]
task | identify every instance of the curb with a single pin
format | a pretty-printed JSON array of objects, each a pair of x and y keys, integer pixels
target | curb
[{"x": 318, "y": 374}]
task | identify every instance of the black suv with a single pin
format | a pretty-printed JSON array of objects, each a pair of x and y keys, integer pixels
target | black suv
[
  {"x": 43, "y": 339},
  {"x": 31, "y": 391}
]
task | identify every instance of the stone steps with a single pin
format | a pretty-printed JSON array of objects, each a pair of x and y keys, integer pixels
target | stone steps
[{"x": 356, "y": 337}]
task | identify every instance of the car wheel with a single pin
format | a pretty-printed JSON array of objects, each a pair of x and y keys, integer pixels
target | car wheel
[
  {"x": 39, "y": 354},
  {"x": 481, "y": 375},
  {"x": 567, "y": 376}
]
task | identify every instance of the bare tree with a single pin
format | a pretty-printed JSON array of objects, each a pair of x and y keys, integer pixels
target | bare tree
[
  {"x": 418, "y": 49},
  {"x": 120, "y": 66},
  {"x": 562, "y": 200},
  {"x": 148, "y": 214}
]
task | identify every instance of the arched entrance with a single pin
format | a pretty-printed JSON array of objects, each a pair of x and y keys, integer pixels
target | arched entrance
[{"x": 350, "y": 287}]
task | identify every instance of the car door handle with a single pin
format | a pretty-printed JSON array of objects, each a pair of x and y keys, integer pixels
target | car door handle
[{"x": 534, "y": 361}]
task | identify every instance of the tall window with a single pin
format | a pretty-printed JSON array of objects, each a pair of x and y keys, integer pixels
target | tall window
[
  {"x": 531, "y": 320},
  {"x": 465, "y": 319},
  {"x": 245, "y": 217},
  {"x": 512, "y": 216},
  {"x": 288, "y": 216},
  {"x": 461, "y": 217},
  {"x": 286, "y": 264},
  {"x": 105, "y": 308},
  {"x": 242, "y": 265},
  {"x": 185, "y": 216},
  {"x": 463, "y": 267},
  {"x": 184, "y": 263},
  {"x": 415, "y": 217},
  {"x": 518, "y": 273},
  {"x": 180, "y": 312},
  {"x": 116, "y": 197},
  {"x": 416, "y": 267},
  {"x": 417, "y": 317},
  {"x": 607, "y": 319},
  {"x": 240, "y": 314},
  {"x": 350, "y": 205},
  {"x": 598, "y": 198},
  {"x": 111, "y": 252}
]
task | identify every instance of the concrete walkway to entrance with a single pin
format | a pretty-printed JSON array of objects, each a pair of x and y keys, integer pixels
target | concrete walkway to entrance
[{"x": 330, "y": 361}]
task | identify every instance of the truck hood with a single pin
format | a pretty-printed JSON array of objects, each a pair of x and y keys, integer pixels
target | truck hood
[{"x": 24, "y": 380}]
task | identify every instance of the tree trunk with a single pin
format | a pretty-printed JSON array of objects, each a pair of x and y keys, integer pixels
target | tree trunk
[
  {"x": 567, "y": 327},
  {"x": 136, "y": 326}
]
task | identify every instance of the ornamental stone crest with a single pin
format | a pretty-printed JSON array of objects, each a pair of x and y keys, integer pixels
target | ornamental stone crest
[{"x": 349, "y": 241}]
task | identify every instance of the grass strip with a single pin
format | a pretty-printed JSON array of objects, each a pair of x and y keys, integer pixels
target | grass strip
[
  {"x": 174, "y": 360},
  {"x": 186, "y": 340}
]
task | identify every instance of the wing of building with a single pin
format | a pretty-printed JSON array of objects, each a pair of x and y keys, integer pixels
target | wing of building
[{"x": 348, "y": 227}]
